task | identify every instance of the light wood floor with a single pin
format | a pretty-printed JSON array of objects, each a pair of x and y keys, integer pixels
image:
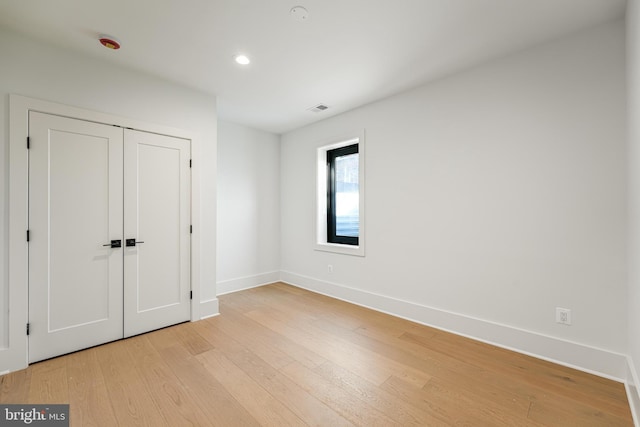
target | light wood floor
[{"x": 279, "y": 355}]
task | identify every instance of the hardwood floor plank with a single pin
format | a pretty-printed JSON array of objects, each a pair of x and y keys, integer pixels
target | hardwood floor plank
[
  {"x": 392, "y": 406},
  {"x": 128, "y": 393},
  {"x": 88, "y": 391},
  {"x": 165, "y": 388},
  {"x": 556, "y": 410},
  {"x": 209, "y": 330},
  {"x": 362, "y": 362},
  {"x": 164, "y": 338},
  {"x": 244, "y": 301},
  {"x": 497, "y": 408},
  {"x": 49, "y": 382},
  {"x": 402, "y": 364},
  {"x": 191, "y": 340},
  {"x": 539, "y": 374},
  {"x": 456, "y": 366},
  {"x": 450, "y": 406},
  {"x": 502, "y": 359},
  {"x": 344, "y": 314},
  {"x": 204, "y": 391},
  {"x": 14, "y": 387},
  {"x": 319, "y": 306},
  {"x": 381, "y": 331},
  {"x": 293, "y": 396},
  {"x": 258, "y": 402},
  {"x": 407, "y": 366},
  {"x": 280, "y": 355},
  {"x": 348, "y": 405},
  {"x": 339, "y": 336},
  {"x": 267, "y": 344}
]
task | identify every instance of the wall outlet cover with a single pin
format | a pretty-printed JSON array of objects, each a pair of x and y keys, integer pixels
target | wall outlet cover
[{"x": 563, "y": 316}]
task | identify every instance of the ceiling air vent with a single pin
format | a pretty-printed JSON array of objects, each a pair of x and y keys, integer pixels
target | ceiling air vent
[{"x": 318, "y": 108}]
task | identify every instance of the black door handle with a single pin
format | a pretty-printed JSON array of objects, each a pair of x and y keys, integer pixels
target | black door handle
[
  {"x": 132, "y": 242},
  {"x": 114, "y": 244}
]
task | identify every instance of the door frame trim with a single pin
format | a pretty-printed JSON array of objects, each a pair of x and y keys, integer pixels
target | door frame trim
[{"x": 15, "y": 356}]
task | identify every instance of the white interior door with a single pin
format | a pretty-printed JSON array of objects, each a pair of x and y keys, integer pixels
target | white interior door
[
  {"x": 75, "y": 208},
  {"x": 157, "y": 200}
]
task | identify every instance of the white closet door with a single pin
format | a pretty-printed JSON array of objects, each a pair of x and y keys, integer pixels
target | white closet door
[
  {"x": 157, "y": 212},
  {"x": 75, "y": 208}
]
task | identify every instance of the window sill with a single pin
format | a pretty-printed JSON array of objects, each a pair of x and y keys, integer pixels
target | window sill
[{"x": 340, "y": 249}]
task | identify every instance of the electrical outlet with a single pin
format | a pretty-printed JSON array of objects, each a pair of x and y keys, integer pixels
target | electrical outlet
[
  {"x": 330, "y": 268},
  {"x": 563, "y": 316}
]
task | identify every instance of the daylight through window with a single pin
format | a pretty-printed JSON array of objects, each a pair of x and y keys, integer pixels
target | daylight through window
[
  {"x": 340, "y": 216},
  {"x": 343, "y": 199}
]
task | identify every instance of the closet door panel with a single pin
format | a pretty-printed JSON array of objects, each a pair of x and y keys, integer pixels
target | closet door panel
[
  {"x": 157, "y": 215},
  {"x": 75, "y": 209}
]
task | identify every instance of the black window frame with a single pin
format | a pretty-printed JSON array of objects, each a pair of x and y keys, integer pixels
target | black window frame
[{"x": 332, "y": 155}]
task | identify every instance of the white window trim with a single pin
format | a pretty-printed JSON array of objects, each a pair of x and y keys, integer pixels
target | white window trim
[{"x": 320, "y": 242}]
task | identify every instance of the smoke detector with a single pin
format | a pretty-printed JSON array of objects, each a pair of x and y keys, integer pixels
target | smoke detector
[
  {"x": 299, "y": 13},
  {"x": 109, "y": 42}
]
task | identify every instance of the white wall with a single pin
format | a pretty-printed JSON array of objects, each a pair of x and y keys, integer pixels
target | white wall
[
  {"x": 497, "y": 194},
  {"x": 633, "y": 62},
  {"x": 248, "y": 207},
  {"x": 35, "y": 70}
]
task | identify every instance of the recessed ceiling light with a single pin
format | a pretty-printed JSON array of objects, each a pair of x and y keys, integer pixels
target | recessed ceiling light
[
  {"x": 242, "y": 59},
  {"x": 109, "y": 42}
]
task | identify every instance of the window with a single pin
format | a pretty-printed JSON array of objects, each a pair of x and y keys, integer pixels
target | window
[
  {"x": 340, "y": 196},
  {"x": 343, "y": 212}
]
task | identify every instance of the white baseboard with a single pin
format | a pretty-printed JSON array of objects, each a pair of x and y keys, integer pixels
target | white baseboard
[
  {"x": 633, "y": 391},
  {"x": 593, "y": 360},
  {"x": 247, "y": 282},
  {"x": 209, "y": 308}
]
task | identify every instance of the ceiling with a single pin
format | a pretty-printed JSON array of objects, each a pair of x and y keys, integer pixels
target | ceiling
[{"x": 346, "y": 54}]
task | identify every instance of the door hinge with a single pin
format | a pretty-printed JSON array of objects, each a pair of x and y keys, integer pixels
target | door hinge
[
  {"x": 189, "y": 162},
  {"x": 28, "y": 143},
  {"x": 27, "y": 235},
  {"x": 28, "y": 328},
  {"x": 191, "y": 229},
  {"x": 190, "y": 294}
]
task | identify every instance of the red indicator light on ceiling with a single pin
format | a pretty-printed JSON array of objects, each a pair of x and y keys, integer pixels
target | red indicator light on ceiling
[{"x": 109, "y": 42}]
